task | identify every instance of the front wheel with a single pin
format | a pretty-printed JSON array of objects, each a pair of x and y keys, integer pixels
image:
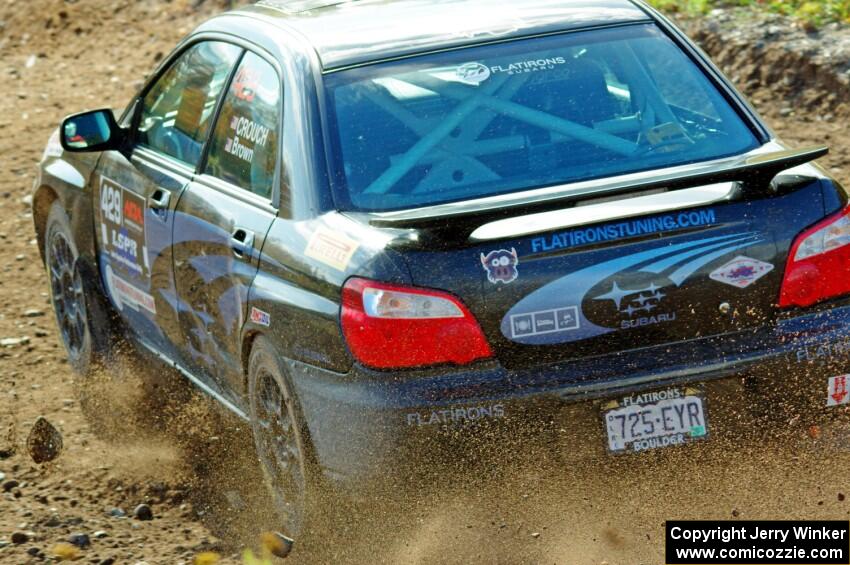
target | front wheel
[
  {"x": 280, "y": 437},
  {"x": 83, "y": 320}
]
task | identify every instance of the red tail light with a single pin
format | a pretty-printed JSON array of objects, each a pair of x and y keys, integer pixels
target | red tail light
[
  {"x": 391, "y": 326},
  {"x": 819, "y": 263}
]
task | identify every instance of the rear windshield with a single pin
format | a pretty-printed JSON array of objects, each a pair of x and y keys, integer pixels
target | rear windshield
[{"x": 508, "y": 117}]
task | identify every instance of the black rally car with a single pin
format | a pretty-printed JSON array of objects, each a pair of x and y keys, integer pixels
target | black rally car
[{"x": 357, "y": 222}]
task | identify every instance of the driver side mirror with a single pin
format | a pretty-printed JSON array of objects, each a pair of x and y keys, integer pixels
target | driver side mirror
[{"x": 91, "y": 131}]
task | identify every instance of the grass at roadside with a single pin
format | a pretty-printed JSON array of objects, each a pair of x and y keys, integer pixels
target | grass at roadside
[{"x": 813, "y": 13}]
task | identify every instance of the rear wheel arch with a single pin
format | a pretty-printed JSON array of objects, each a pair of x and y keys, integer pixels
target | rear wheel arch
[{"x": 248, "y": 341}]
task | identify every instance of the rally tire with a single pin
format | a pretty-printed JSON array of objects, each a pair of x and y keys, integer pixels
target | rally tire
[
  {"x": 85, "y": 322},
  {"x": 282, "y": 441}
]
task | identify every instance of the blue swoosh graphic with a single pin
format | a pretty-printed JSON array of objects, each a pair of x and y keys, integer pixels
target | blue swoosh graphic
[
  {"x": 571, "y": 289},
  {"x": 660, "y": 266},
  {"x": 680, "y": 275}
]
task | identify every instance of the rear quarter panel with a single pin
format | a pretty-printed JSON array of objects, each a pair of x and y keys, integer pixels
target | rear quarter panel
[{"x": 295, "y": 297}]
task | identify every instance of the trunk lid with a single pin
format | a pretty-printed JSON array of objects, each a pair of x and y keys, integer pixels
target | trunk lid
[
  {"x": 620, "y": 284},
  {"x": 713, "y": 271}
]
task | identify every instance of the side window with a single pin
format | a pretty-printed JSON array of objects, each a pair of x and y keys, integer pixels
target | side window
[
  {"x": 177, "y": 111},
  {"x": 245, "y": 143}
]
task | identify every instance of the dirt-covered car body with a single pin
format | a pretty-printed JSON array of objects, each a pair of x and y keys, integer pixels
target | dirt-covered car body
[{"x": 603, "y": 285}]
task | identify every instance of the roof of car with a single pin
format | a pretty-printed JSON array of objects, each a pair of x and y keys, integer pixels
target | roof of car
[{"x": 352, "y": 32}]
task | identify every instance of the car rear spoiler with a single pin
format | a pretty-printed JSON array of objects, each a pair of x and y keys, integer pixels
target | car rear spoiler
[{"x": 754, "y": 174}]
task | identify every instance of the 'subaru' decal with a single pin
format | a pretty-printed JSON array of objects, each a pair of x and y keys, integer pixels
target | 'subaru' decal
[{"x": 633, "y": 289}]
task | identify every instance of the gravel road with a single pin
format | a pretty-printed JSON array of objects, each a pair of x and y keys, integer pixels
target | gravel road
[{"x": 201, "y": 490}]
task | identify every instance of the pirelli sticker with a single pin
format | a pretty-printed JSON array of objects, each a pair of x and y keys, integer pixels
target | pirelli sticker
[{"x": 331, "y": 248}]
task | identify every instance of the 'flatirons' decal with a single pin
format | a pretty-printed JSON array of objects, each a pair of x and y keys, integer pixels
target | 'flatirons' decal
[{"x": 623, "y": 293}]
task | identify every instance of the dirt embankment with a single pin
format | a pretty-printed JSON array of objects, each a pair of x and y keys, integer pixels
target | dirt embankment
[
  {"x": 804, "y": 70},
  {"x": 59, "y": 56},
  {"x": 798, "y": 79}
]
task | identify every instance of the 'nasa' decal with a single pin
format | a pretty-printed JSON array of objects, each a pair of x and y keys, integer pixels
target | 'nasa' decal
[{"x": 260, "y": 317}]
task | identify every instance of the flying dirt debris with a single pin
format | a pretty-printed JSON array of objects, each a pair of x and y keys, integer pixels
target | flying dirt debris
[
  {"x": 277, "y": 544},
  {"x": 587, "y": 507},
  {"x": 44, "y": 444}
]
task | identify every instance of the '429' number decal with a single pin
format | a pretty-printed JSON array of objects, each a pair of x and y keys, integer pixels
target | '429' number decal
[
  {"x": 123, "y": 230},
  {"x": 110, "y": 203}
]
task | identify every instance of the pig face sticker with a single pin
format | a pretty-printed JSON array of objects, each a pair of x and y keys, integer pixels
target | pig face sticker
[{"x": 501, "y": 266}]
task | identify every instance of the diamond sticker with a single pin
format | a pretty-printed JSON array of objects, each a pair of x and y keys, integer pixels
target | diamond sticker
[{"x": 741, "y": 271}]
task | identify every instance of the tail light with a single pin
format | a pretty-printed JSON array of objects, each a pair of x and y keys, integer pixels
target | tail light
[
  {"x": 819, "y": 264},
  {"x": 391, "y": 326}
]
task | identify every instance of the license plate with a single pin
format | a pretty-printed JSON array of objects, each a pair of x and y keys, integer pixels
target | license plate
[{"x": 655, "y": 419}]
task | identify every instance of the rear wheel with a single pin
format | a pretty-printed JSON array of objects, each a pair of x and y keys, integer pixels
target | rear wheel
[
  {"x": 281, "y": 438},
  {"x": 83, "y": 319}
]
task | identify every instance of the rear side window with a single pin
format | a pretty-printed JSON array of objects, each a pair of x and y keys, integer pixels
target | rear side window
[
  {"x": 520, "y": 115},
  {"x": 245, "y": 143},
  {"x": 177, "y": 111}
]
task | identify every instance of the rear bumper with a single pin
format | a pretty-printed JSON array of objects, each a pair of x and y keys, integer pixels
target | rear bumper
[{"x": 367, "y": 425}]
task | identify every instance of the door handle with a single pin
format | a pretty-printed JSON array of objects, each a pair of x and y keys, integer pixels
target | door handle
[
  {"x": 159, "y": 199},
  {"x": 241, "y": 242}
]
